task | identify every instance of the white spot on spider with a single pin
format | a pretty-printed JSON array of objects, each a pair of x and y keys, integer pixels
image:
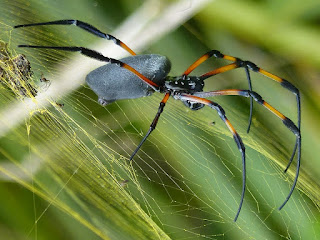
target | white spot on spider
[{"x": 192, "y": 84}]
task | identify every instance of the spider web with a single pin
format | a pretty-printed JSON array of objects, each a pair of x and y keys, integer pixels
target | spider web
[{"x": 185, "y": 182}]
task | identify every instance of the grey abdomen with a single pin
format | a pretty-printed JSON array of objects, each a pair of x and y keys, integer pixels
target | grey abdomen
[{"x": 111, "y": 82}]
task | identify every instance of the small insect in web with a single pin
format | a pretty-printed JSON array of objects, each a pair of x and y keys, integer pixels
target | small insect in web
[
  {"x": 141, "y": 75},
  {"x": 123, "y": 183},
  {"x": 60, "y": 104},
  {"x": 46, "y": 82}
]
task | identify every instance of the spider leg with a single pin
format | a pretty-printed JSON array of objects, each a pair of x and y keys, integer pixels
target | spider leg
[
  {"x": 153, "y": 124},
  {"x": 284, "y": 83},
  {"x": 218, "y": 54},
  {"x": 89, "y": 28},
  {"x": 236, "y": 136},
  {"x": 98, "y": 56},
  {"x": 286, "y": 121},
  {"x": 251, "y": 99},
  {"x": 248, "y": 66},
  {"x": 203, "y": 58}
]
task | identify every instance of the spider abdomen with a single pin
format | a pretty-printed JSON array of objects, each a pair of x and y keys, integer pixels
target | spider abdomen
[{"x": 111, "y": 83}]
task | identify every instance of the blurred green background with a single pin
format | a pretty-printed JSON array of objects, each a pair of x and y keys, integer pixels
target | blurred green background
[{"x": 185, "y": 183}]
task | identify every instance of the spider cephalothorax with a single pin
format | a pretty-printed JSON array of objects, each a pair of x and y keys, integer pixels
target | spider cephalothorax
[
  {"x": 141, "y": 75},
  {"x": 186, "y": 84}
]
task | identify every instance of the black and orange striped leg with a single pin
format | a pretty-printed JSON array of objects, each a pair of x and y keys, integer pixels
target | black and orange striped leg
[
  {"x": 89, "y": 28},
  {"x": 251, "y": 99},
  {"x": 236, "y": 137},
  {"x": 253, "y": 67},
  {"x": 286, "y": 121},
  {"x": 206, "y": 56},
  {"x": 284, "y": 83},
  {"x": 98, "y": 56},
  {"x": 235, "y": 64},
  {"x": 153, "y": 124}
]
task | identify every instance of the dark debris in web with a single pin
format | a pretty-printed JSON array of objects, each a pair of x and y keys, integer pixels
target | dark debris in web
[{"x": 16, "y": 73}]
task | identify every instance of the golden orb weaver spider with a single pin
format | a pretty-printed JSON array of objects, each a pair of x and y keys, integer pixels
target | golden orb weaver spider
[{"x": 141, "y": 75}]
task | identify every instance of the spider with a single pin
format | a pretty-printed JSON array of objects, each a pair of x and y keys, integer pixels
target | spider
[{"x": 141, "y": 75}]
